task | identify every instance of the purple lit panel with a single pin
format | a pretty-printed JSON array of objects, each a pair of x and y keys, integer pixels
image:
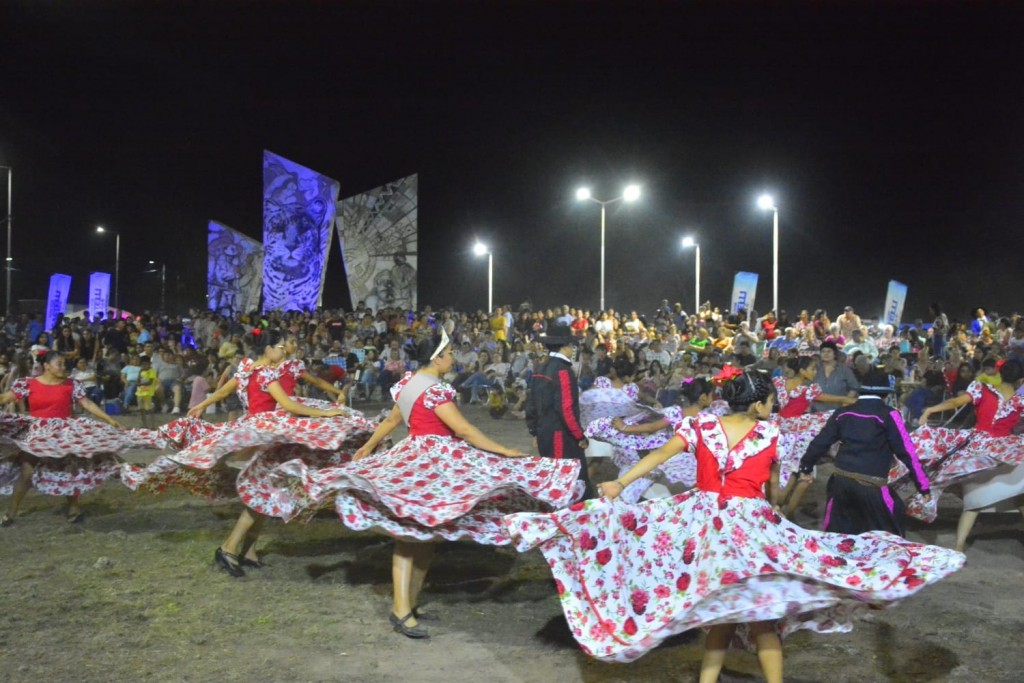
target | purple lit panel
[
  {"x": 234, "y": 272},
  {"x": 298, "y": 213}
]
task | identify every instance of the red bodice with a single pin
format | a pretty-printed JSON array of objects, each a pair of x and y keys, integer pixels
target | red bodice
[
  {"x": 288, "y": 377},
  {"x": 49, "y": 400},
  {"x": 423, "y": 421},
  {"x": 990, "y": 419}
]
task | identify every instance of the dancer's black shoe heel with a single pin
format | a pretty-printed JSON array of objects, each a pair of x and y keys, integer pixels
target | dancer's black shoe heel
[
  {"x": 228, "y": 563},
  {"x": 246, "y": 562},
  {"x": 408, "y": 631},
  {"x": 424, "y": 616}
]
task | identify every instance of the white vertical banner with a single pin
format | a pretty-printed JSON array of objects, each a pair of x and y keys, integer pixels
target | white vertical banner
[
  {"x": 99, "y": 295},
  {"x": 378, "y": 233},
  {"x": 744, "y": 290},
  {"x": 895, "y": 297},
  {"x": 57, "y": 299}
]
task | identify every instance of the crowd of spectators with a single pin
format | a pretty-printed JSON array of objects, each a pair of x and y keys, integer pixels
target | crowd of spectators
[{"x": 176, "y": 360}]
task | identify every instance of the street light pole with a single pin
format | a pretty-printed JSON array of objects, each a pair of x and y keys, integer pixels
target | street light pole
[
  {"x": 690, "y": 242},
  {"x": 163, "y": 285},
  {"x": 480, "y": 249},
  {"x": 10, "y": 220},
  {"x": 766, "y": 202},
  {"x": 631, "y": 193},
  {"x": 117, "y": 268},
  {"x": 117, "y": 274}
]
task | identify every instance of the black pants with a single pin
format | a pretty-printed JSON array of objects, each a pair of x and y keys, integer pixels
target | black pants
[{"x": 853, "y": 508}]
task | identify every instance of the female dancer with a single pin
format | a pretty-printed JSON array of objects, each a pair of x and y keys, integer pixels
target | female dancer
[
  {"x": 796, "y": 392},
  {"x": 624, "y": 589},
  {"x": 292, "y": 370},
  {"x": 58, "y": 454},
  {"x": 613, "y": 396},
  {"x": 630, "y": 436},
  {"x": 970, "y": 455},
  {"x": 203, "y": 466},
  {"x": 446, "y": 480}
]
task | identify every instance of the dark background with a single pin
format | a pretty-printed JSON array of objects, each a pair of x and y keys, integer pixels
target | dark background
[{"x": 889, "y": 133}]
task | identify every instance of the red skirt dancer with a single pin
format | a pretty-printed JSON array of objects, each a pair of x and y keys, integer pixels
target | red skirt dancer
[
  {"x": 630, "y": 576},
  {"x": 629, "y": 448},
  {"x": 797, "y": 426},
  {"x": 953, "y": 456},
  {"x": 73, "y": 455},
  {"x": 432, "y": 485},
  {"x": 255, "y": 443}
]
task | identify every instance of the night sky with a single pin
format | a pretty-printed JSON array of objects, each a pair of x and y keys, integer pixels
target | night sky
[{"x": 892, "y": 137}]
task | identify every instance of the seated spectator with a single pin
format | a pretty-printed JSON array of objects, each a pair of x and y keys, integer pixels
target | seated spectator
[{"x": 86, "y": 377}]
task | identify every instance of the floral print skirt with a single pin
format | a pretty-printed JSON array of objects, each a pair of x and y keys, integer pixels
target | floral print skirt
[
  {"x": 70, "y": 455},
  {"x": 629, "y": 576},
  {"x": 434, "y": 487},
  {"x": 952, "y": 456},
  {"x": 237, "y": 458}
]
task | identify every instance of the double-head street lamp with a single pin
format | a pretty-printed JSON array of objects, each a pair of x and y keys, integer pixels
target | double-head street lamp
[
  {"x": 766, "y": 203},
  {"x": 163, "y": 284},
  {"x": 629, "y": 194},
  {"x": 117, "y": 267},
  {"x": 689, "y": 242},
  {"x": 9, "y": 221},
  {"x": 480, "y": 249}
]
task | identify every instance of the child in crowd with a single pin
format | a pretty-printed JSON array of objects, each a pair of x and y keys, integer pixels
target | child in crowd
[
  {"x": 147, "y": 386},
  {"x": 200, "y": 386},
  {"x": 497, "y": 406}
]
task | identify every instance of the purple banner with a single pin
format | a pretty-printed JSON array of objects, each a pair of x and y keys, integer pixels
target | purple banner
[
  {"x": 298, "y": 214},
  {"x": 99, "y": 295},
  {"x": 57, "y": 299}
]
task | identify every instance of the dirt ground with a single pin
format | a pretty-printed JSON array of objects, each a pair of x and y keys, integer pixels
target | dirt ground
[{"x": 132, "y": 595}]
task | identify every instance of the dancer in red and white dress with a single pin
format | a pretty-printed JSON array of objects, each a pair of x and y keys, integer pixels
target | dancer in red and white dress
[
  {"x": 969, "y": 456},
  {"x": 632, "y": 437},
  {"x": 264, "y": 438},
  {"x": 446, "y": 480},
  {"x": 719, "y": 555},
  {"x": 56, "y": 453},
  {"x": 796, "y": 391},
  {"x": 292, "y": 370},
  {"x": 613, "y": 396}
]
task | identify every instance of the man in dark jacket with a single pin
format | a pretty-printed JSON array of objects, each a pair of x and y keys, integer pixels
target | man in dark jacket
[
  {"x": 871, "y": 433},
  {"x": 553, "y": 404}
]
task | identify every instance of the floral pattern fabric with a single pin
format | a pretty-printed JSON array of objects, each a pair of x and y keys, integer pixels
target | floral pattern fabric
[
  {"x": 629, "y": 576},
  {"x": 604, "y": 400},
  {"x": 75, "y": 455},
  {"x": 951, "y": 456},
  {"x": 432, "y": 485},
  {"x": 260, "y": 442},
  {"x": 797, "y": 431},
  {"x": 629, "y": 448}
]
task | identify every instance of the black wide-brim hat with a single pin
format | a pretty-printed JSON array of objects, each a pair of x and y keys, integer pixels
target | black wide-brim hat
[
  {"x": 877, "y": 382},
  {"x": 560, "y": 334}
]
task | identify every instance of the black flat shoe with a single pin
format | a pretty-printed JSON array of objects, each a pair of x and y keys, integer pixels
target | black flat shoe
[
  {"x": 228, "y": 563},
  {"x": 246, "y": 562},
  {"x": 408, "y": 631},
  {"x": 424, "y": 616}
]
